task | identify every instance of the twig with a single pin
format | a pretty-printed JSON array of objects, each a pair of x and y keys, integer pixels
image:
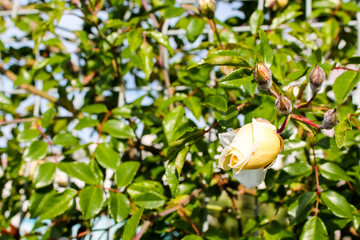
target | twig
[
  {"x": 344, "y": 68},
  {"x": 307, "y": 103},
  {"x": 19, "y": 120},
  {"x": 182, "y": 213},
  {"x": 305, "y": 120},
  {"x": 283, "y": 126},
  {"x": 47, "y": 139},
  {"x": 212, "y": 24},
  {"x": 356, "y": 124},
  {"x": 273, "y": 93},
  {"x": 100, "y": 126},
  {"x": 239, "y": 107}
]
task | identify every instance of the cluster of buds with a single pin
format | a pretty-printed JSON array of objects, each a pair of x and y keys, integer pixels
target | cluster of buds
[
  {"x": 207, "y": 8},
  {"x": 316, "y": 78},
  {"x": 263, "y": 76},
  {"x": 331, "y": 119}
]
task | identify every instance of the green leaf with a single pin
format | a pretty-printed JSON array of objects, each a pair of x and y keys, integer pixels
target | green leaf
[
  {"x": 237, "y": 78},
  {"x": 118, "y": 129},
  {"x": 194, "y": 29},
  {"x": 29, "y": 135},
  {"x": 119, "y": 206},
  {"x": 352, "y": 60},
  {"x": 301, "y": 208},
  {"x": 193, "y": 103},
  {"x": 91, "y": 201},
  {"x": 180, "y": 159},
  {"x": 161, "y": 39},
  {"x": 134, "y": 39},
  {"x": 36, "y": 151},
  {"x": 285, "y": 16},
  {"x": 146, "y": 52},
  {"x": 47, "y": 117},
  {"x": 340, "y": 131},
  {"x": 23, "y": 77},
  {"x": 226, "y": 118},
  {"x": 298, "y": 169},
  {"x": 44, "y": 174},
  {"x": 333, "y": 172},
  {"x": 265, "y": 51},
  {"x": 172, "y": 177},
  {"x": 344, "y": 84},
  {"x": 314, "y": 229},
  {"x": 107, "y": 156},
  {"x": 218, "y": 102},
  {"x": 147, "y": 194},
  {"x": 193, "y": 237},
  {"x": 223, "y": 58},
  {"x": 4, "y": 100},
  {"x": 150, "y": 200},
  {"x": 65, "y": 139},
  {"x": 256, "y": 20},
  {"x": 337, "y": 204},
  {"x": 52, "y": 204},
  {"x": 79, "y": 170},
  {"x": 131, "y": 225},
  {"x": 172, "y": 120},
  {"x": 85, "y": 123},
  {"x": 95, "y": 108},
  {"x": 122, "y": 111},
  {"x": 125, "y": 173}
]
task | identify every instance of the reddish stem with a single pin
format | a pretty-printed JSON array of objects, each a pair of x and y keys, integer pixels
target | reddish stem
[
  {"x": 47, "y": 140},
  {"x": 307, "y": 103},
  {"x": 344, "y": 68},
  {"x": 182, "y": 213},
  {"x": 283, "y": 126},
  {"x": 357, "y": 125},
  {"x": 305, "y": 120}
]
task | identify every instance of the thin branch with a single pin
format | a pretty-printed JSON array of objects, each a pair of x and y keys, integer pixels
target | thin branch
[
  {"x": 307, "y": 103},
  {"x": 283, "y": 126},
  {"x": 305, "y": 120},
  {"x": 18, "y": 120},
  {"x": 356, "y": 124},
  {"x": 182, "y": 213},
  {"x": 344, "y": 68},
  {"x": 212, "y": 24}
]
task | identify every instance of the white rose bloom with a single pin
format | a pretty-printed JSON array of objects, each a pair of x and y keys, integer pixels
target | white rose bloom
[{"x": 250, "y": 151}]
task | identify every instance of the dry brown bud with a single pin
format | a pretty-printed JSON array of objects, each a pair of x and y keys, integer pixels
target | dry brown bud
[
  {"x": 262, "y": 76},
  {"x": 331, "y": 119},
  {"x": 283, "y": 105},
  {"x": 207, "y": 8},
  {"x": 316, "y": 77}
]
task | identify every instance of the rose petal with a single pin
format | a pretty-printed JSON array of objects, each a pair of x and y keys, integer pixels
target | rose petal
[
  {"x": 224, "y": 159},
  {"x": 226, "y": 138},
  {"x": 250, "y": 178}
]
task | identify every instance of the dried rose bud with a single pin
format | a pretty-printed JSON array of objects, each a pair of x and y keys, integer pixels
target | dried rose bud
[
  {"x": 331, "y": 119},
  {"x": 283, "y": 105},
  {"x": 207, "y": 8},
  {"x": 316, "y": 77},
  {"x": 262, "y": 76}
]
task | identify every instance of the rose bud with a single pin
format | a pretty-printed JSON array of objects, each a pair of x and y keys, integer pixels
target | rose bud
[
  {"x": 207, "y": 8},
  {"x": 262, "y": 76},
  {"x": 316, "y": 77},
  {"x": 283, "y": 105},
  {"x": 251, "y": 151},
  {"x": 331, "y": 119}
]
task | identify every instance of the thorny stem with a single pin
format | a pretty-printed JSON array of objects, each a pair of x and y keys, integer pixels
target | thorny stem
[
  {"x": 305, "y": 120},
  {"x": 307, "y": 103},
  {"x": 283, "y": 126}
]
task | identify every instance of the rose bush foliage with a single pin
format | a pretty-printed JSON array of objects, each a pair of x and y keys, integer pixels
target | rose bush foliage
[{"x": 147, "y": 159}]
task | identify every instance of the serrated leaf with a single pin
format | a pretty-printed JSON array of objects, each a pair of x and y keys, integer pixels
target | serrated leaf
[
  {"x": 95, "y": 108},
  {"x": 266, "y": 54},
  {"x": 91, "y": 201},
  {"x": 344, "y": 84},
  {"x": 146, "y": 51},
  {"x": 171, "y": 121},
  {"x": 340, "y": 131},
  {"x": 301, "y": 208},
  {"x": 284, "y": 17},
  {"x": 125, "y": 173},
  {"x": 223, "y": 58},
  {"x": 256, "y": 20},
  {"x": 337, "y": 204},
  {"x": 47, "y": 117},
  {"x": 131, "y": 225},
  {"x": 150, "y": 200},
  {"x": 36, "y": 151},
  {"x": 65, "y": 139},
  {"x": 79, "y": 170},
  {"x": 180, "y": 159},
  {"x": 161, "y": 39},
  {"x": 52, "y": 204},
  {"x": 119, "y": 206},
  {"x": 193, "y": 103},
  {"x": 85, "y": 123},
  {"x": 333, "y": 172},
  {"x": 118, "y": 129},
  {"x": 314, "y": 229},
  {"x": 28, "y": 135},
  {"x": 298, "y": 169},
  {"x": 107, "y": 156},
  {"x": 217, "y": 102},
  {"x": 172, "y": 177},
  {"x": 44, "y": 174}
]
